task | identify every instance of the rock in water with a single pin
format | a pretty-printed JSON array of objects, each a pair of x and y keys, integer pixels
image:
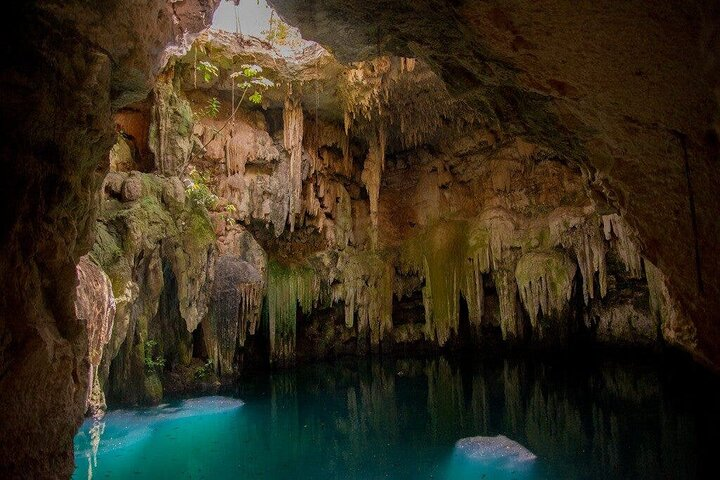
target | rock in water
[{"x": 496, "y": 450}]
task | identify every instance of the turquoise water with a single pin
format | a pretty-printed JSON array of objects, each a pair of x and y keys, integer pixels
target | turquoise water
[{"x": 400, "y": 419}]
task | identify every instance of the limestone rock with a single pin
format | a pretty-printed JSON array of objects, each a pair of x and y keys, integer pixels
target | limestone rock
[
  {"x": 498, "y": 449},
  {"x": 95, "y": 305},
  {"x": 132, "y": 188},
  {"x": 237, "y": 294}
]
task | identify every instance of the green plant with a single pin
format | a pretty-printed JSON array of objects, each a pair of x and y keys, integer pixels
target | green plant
[
  {"x": 152, "y": 363},
  {"x": 205, "y": 370},
  {"x": 213, "y": 107},
  {"x": 250, "y": 79},
  {"x": 199, "y": 192},
  {"x": 207, "y": 70},
  {"x": 280, "y": 33}
]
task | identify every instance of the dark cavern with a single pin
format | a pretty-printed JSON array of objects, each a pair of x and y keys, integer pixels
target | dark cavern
[{"x": 359, "y": 239}]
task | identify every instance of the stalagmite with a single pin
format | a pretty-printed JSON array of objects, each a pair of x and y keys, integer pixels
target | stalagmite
[
  {"x": 616, "y": 230},
  {"x": 545, "y": 281},
  {"x": 292, "y": 140},
  {"x": 289, "y": 287}
]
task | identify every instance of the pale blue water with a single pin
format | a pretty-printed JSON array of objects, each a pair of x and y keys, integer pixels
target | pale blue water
[{"x": 400, "y": 419}]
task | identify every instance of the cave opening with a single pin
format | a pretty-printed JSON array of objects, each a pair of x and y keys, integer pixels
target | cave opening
[{"x": 392, "y": 229}]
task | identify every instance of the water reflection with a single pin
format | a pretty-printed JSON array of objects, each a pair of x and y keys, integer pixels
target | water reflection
[{"x": 402, "y": 418}]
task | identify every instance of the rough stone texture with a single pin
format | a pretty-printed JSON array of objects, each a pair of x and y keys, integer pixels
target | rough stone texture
[
  {"x": 455, "y": 211},
  {"x": 159, "y": 252},
  {"x": 639, "y": 117},
  {"x": 238, "y": 289},
  {"x": 512, "y": 132},
  {"x": 66, "y": 64},
  {"x": 131, "y": 188},
  {"x": 95, "y": 306}
]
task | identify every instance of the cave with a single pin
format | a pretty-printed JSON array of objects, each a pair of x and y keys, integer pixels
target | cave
[{"x": 360, "y": 239}]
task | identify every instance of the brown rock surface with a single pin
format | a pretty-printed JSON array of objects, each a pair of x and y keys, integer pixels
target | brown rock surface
[
  {"x": 628, "y": 91},
  {"x": 67, "y": 65}
]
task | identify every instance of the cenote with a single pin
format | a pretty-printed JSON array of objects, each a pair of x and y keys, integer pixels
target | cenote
[
  {"x": 401, "y": 418},
  {"x": 359, "y": 239}
]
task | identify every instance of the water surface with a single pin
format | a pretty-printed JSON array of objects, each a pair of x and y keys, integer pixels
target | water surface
[{"x": 400, "y": 419}]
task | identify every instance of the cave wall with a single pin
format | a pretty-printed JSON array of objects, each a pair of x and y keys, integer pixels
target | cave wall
[
  {"x": 632, "y": 123},
  {"x": 627, "y": 91},
  {"x": 347, "y": 195},
  {"x": 64, "y": 72}
]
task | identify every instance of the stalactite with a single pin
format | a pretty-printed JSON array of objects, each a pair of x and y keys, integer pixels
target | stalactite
[
  {"x": 588, "y": 243},
  {"x": 347, "y": 157},
  {"x": 366, "y": 289},
  {"x": 347, "y": 121},
  {"x": 289, "y": 287},
  {"x": 371, "y": 177},
  {"x": 293, "y": 139},
  {"x": 474, "y": 291},
  {"x": 251, "y": 295},
  {"x": 440, "y": 255},
  {"x": 615, "y": 229},
  {"x": 239, "y": 145},
  {"x": 545, "y": 281},
  {"x": 342, "y": 214},
  {"x": 407, "y": 64},
  {"x": 237, "y": 294},
  {"x": 511, "y": 325}
]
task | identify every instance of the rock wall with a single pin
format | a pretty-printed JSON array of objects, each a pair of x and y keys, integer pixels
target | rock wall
[
  {"x": 518, "y": 144},
  {"x": 157, "y": 245},
  {"x": 95, "y": 306},
  {"x": 336, "y": 202},
  {"x": 65, "y": 70},
  {"x": 638, "y": 118}
]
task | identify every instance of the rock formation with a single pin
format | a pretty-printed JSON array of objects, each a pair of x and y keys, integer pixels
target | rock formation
[
  {"x": 480, "y": 162},
  {"x": 70, "y": 65},
  {"x": 337, "y": 201}
]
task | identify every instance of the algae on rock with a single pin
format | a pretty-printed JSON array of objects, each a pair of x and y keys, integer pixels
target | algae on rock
[
  {"x": 288, "y": 288},
  {"x": 545, "y": 282}
]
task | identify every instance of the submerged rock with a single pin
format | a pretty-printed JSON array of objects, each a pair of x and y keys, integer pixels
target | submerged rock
[{"x": 499, "y": 449}]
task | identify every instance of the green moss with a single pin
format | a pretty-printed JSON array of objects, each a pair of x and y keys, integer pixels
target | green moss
[
  {"x": 153, "y": 389},
  {"x": 152, "y": 185},
  {"x": 107, "y": 248},
  {"x": 288, "y": 287},
  {"x": 442, "y": 253},
  {"x": 198, "y": 229}
]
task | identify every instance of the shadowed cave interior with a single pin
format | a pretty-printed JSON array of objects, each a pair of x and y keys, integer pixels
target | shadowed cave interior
[{"x": 470, "y": 220}]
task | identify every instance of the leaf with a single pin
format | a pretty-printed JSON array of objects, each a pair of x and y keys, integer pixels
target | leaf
[
  {"x": 264, "y": 82},
  {"x": 256, "y": 97}
]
